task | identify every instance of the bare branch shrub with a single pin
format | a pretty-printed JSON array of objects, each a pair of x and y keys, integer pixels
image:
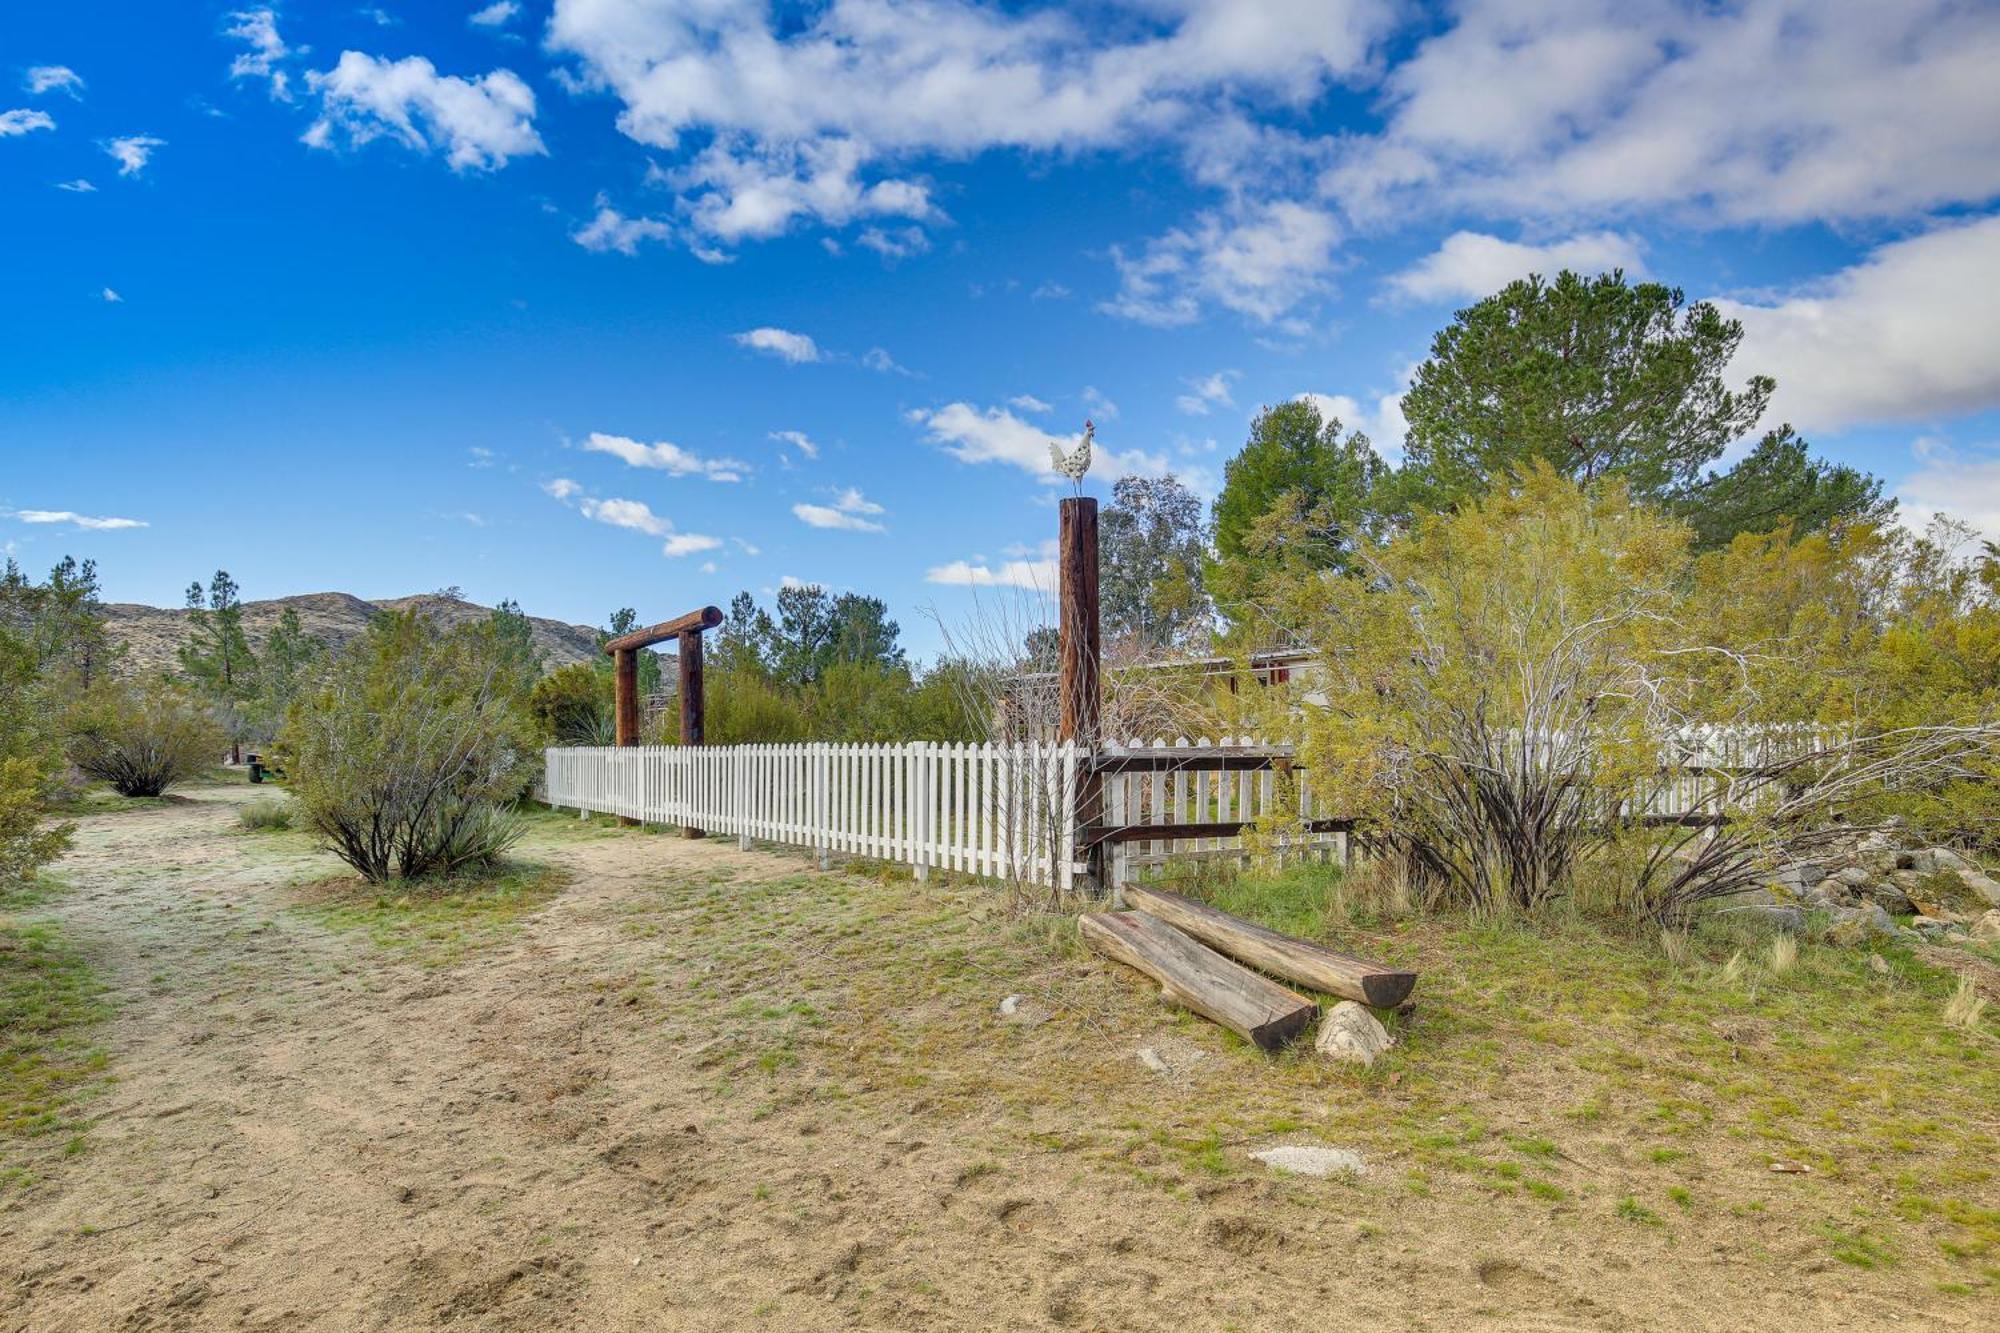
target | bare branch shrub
[
  {"x": 403, "y": 756},
  {"x": 144, "y": 737}
]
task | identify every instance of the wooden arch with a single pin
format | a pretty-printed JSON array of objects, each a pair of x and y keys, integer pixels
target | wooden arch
[{"x": 624, "y": 651}]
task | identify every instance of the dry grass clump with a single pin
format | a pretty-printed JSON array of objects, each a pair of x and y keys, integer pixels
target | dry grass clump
[
  {"x": 1783, "y": 955},
  {"x": 1966, "y": 1009},
  {"x": 266, "y": 814}
]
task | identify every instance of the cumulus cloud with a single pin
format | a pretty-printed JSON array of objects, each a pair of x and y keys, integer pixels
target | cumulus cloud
[
  {"x": 850, "y": 512},
  {"x": 1608, "y": 107},
  {"x": 112, "y": 298},
  {"x": 52, "y": 79},
  {"x": 1383, "y": 423},
  {"x": 635, "y": 515},
  {"x": 1909, "y": 332},
  {"x": 561, "y": 488},
  {"x": 1471, "y": 266},
  {"x": 133, "y": 152},
  {"x": 495, "y": 15},
  {"x": 480, "y": 123},
  {"x": 612, "y": 230},
  {"x": 259, "y": 29},
  {"x": 85, "y": 522},
  {"x": 1259, "y": 260},
  {"x": 1027, "y": 402},
  {"x": 24, "y": 120},
  {"x": 1019, "y": 570},
  {"x": 996, "y": 435},
  {"x": 666, "y": 457},
  {"x": 688, "y": 543},
  {"x": 77, "y": 186},
  {"x": 1207, "y": 392},
  {"x": 796, "y": 348},
  {"x": 799, "y": 440}
]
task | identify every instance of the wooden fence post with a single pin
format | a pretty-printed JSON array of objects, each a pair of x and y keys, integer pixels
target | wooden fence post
[
  {"x": 1080, "y": 682},
  {"x": 693, "y": 712}
]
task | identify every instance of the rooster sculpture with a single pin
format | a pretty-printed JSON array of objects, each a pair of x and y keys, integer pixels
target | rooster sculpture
[{"x": 1077, "y": 462}]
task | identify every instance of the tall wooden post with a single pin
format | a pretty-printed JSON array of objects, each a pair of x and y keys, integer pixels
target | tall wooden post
[
  {"x": 692, "y": 701},
  {"x": 1080, "y": 683},
  {"x": 625, "y": 702}
]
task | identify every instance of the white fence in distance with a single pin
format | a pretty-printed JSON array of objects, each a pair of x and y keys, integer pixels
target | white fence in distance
[{"x": 1001, "y": 811}]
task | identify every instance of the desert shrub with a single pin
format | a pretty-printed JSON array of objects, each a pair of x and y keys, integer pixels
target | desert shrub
[
  {"x": 27, "y": 768},
  {"x": 572, "y": 705},
  {"x": 399, "y": 755},
  {"x": 144, "y": 737},
  {"x": 266, "y": 814},
  {"x": 1510, "y": 681}
]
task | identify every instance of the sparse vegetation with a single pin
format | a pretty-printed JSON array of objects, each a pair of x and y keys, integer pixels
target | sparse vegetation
[
  {"x": 267, "y": 814},
  {"x": 144, "y": 737},
  {"x": 402, "y": 754}
]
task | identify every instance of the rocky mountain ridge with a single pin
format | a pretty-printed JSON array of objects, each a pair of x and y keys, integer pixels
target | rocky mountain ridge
[{"x": 152, "y": 635}]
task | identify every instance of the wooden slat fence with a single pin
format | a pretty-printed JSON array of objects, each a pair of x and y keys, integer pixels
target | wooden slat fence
[{"x": 1001, "y": 811}]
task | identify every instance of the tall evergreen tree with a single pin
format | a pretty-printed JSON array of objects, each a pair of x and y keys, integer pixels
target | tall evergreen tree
[{"x": 1152, "y": 555}]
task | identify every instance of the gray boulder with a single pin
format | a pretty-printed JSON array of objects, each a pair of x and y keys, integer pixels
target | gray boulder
[
  {"x": 1859, "y": 925},
  {"x": 1351, "y": 1034}
]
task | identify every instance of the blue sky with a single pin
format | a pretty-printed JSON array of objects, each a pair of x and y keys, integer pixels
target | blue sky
[{"x": 640, "y": 302}]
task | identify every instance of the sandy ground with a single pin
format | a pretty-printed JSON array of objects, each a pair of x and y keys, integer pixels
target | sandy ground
[{"x": 307, "y": 1134}]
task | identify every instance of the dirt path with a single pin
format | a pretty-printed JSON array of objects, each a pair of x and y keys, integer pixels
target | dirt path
[{"x": 305, "y": 1134}]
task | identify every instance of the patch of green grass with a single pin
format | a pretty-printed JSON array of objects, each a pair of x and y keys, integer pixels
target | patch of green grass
[
  {"x": 1631, "y": 1210},
  {"x": 435, "y": 922},
  {"x": 1858, "y": 1248},
  {"x": 48, "y": 1003}
]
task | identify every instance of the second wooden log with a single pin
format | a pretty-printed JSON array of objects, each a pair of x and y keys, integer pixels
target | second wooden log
[
  {"x": 1192, "y": 974},
  {"x": 1295, "y": 960}
]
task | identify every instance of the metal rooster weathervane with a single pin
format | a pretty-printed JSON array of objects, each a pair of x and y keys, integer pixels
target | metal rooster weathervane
[{"x": 1073, "y": 465}]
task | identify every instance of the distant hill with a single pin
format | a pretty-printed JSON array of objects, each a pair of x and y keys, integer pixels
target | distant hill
[{"x": 153, "y": 635}]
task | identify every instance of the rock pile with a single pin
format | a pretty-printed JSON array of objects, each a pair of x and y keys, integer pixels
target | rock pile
[{"x": 1863, "y": 887}]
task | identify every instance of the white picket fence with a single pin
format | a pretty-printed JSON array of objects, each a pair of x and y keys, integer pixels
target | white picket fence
[
  {"x": 1010, "y": 811},
  {"x": 1001, "y": 811}
]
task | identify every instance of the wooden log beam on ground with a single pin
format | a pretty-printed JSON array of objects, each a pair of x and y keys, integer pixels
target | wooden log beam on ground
[
  {"x": 1295, "y": 960},
  {"x": 1196, "y": 976}
]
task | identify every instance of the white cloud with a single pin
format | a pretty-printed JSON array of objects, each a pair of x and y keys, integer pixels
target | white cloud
[
  {"x": 878, "y": 358},
  {"x": 1383, "y": 424},
  {"x": 562, "y": 488},
  {"x": 1027, "y": 402},
  {"x": 782, "y": 343},
  {"x": 23, "y": 120},
  {"x": 1049, "y": 291},
  {"x": 1034, "y": 575},
  {"x": 669, "y": 458},
  {"x": 1965, "y": 489},
  {"x": 1470, "y": 265},
  {"x": 636, "y": 515},
  {"x": 1100, "y": 406},
  {"x": 1206, "y": 392},
  {"x": 259, "y": 28},
  {"x": 77, "y": 186},
  {"x": 849, "y": 512},
  {"x": 996, "y": 435},
  {"x": 53, "y": 79},
  {"x": 709, "y": 567},
  {"x": 794, "y": 581},
  {"x": 689, "y": 543},
  {"x": 112, "y": 297},
  {"x": 612, "y": 230},
  {"x": 746, "y": 547},
  {"x": 133, "y": 152},
  {"x": 899, "y": 243},
  {"x": 480, "y": 123},
  {"x": 799, "y": 440},
  {"x": 1909, "y": 332},
  {"x": 494, "y": 15},
  {"x": 1611, "y": 107},
  {"x": 87, "y": 522},
  {"x": 1258, "y": 259}
]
